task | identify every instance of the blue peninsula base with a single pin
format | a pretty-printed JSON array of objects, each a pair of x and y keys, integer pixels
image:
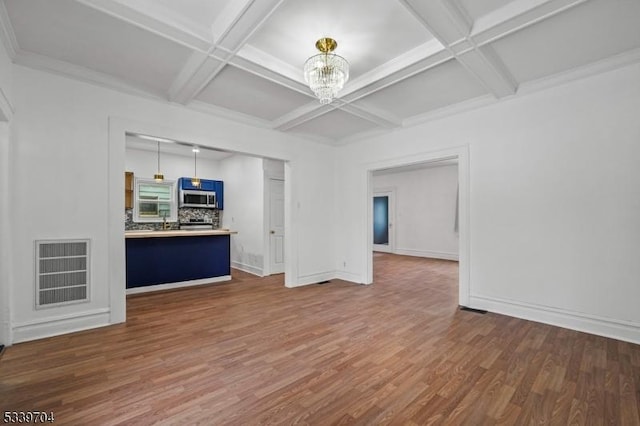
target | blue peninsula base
[{"x": 175, "y": 260}]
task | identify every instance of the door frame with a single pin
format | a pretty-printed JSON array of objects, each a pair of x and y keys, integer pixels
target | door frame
[
  {"x": 461, "y": 153},
  {"x": 391, "y": 193}
]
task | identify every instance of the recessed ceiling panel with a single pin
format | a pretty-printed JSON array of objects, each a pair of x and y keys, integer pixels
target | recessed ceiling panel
[
  {"x": 589, "y": 32},
  {"x": 369, "y": 32},
  {"x": 435, "y": 88},
  {"x": 68, "y": 31},
  {"x": 247, "y": 93},
  {"x": 334, "y": 125},
  {"x": 478, "y": 8},
  {"x": 200, "y": 12}
]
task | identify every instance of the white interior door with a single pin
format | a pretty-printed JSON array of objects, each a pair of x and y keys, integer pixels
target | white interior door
[
  {"x": 383, "y": 214},
  {"x": 276, "y": 225}
]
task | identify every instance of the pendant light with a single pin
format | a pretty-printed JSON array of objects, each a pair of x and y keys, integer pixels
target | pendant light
[
  {"x": 159, "y": 177},
  {"x": 195, "y": 181}
]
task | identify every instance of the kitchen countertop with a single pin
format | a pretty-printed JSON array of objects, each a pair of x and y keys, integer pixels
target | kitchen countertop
[{"x": 177, "y": 233}]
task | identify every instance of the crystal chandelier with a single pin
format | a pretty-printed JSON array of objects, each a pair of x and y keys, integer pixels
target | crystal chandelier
[{"x": 326, "y": 73}]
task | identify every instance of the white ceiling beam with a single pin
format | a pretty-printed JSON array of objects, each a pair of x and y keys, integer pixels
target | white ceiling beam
[
  {"x": 235, "y": 25},
  {"x": 188, "y": 82},
  {"x": 270, "y": 68},
  {"x": 407, "y": 65},
  {"x": 451, "y": 26},
  {"x": 515, "y": 16},
  {"x": 378, "y": 117},
  {"x": 302, "y": 114}
]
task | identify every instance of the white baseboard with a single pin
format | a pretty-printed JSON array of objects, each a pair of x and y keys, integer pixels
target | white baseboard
[
  {"x": 608, "y": 327},
  {"x": 349, "y": 276},
  {"x": 170, "y": 286},
  {"x": 313, "y": 278},
  {"x": 424, "y": 253},
  {"x": 63, "y": 324},
  {"x": 253, "y": 270}
]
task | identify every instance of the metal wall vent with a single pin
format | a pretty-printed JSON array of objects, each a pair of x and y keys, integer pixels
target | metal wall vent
[{"x": 62, "y": 272}]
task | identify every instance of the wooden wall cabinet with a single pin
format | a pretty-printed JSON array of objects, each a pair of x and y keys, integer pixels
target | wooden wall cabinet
[{"x": 128, "y": 190}]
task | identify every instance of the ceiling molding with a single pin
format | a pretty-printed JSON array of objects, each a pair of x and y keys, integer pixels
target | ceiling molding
[
  {"x": 380, "y": 118},
  {"x": 66, "y": 69},
  {"x": 305, "y": 113},
  {"x": 446, "y": 21},
  {"x": 7, "y": 34},
  {"x": 609, "y": 64},
  {"x": 418, "y": 55},
  {"x": 516, "y": 16},
  {"x": 450, "y": 110},
  {"x": 300, "y": 115},
  {"x": 272, "y": 75},
  {"x": 163, "y": 25},
  {"x": 188, "y": 82},
  {"x": 229, "y": 114},
  {"x": 242, "y": 20},
  {"x": 257, "y": 57}
]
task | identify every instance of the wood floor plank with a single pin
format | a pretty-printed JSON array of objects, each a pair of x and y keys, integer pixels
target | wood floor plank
[{"x": 251, "y": 351}]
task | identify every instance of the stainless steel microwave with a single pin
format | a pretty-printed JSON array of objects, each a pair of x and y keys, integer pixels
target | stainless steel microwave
[{"x": 197, "y": 198}]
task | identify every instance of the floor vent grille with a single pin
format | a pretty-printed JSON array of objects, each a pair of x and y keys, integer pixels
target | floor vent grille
[{"x": 62, "y": 272}]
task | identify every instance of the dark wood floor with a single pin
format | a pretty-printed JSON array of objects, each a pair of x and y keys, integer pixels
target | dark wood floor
[{"x": 253, "y": 352}]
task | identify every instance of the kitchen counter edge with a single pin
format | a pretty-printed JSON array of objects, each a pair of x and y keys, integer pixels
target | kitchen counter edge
[{"x": 177, "y": 233}]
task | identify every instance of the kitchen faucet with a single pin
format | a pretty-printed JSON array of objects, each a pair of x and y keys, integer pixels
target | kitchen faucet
[{"x": 165, "y": 225}]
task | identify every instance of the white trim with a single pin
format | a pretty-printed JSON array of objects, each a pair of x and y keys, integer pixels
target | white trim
[
  {"x": 5, "y": 106},
  {"x": 426, "y": 253},
  {"x": 181, "y": 284},
  {"x": 7, "y": 34},
  {"x": 628, "y": 331},
  {"x": 462, "y": 154},
  {"x": 253, "y": 270},
  {"x": 80, "y": 73},
  {"x": 62, "y": 324},
  {"x": 349, "y": 276},
  {"x": 312, "y": 279}
]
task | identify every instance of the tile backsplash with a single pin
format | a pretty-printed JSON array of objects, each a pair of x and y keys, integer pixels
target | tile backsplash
[{"x": 185, "y": 214}]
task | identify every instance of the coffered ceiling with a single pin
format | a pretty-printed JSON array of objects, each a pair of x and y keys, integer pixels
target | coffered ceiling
[{"x": 411, "y": 60}]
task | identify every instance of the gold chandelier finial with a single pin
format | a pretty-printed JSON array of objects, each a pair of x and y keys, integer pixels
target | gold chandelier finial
[{"x": 326, "y": 45}]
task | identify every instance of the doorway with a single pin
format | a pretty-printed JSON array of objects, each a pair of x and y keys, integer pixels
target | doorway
[
  {"x": 383, "y": 221},
  {"x": 459, "y": 154}
]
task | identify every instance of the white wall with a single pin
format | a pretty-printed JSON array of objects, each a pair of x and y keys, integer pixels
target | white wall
[
  {"x": 69, "y": 144},
  {"x": 244, "y": 211},
  {"x": 425, "y": 210},
  {"x": 144, "y": 164},
  {"x": 554, "y": 207}
]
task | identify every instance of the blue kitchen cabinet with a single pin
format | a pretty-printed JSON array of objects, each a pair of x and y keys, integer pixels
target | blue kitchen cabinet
[
  {"x": 205, "y": 184},
  {"x": 219, "y": 188}
]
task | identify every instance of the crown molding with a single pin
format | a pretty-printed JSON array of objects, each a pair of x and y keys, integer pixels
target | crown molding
[
  {"x": 66, "y": 69},
  {"x": 515, "y": 16},
  {"x": 163, "y": 24},
  {"x": 7, "y": 34},
  {"x": 611, "y": 63},
  {"x": 367, "y": 134},
  {"x": 229, "y": 114},
  {"x": 447, "y": 111}
]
